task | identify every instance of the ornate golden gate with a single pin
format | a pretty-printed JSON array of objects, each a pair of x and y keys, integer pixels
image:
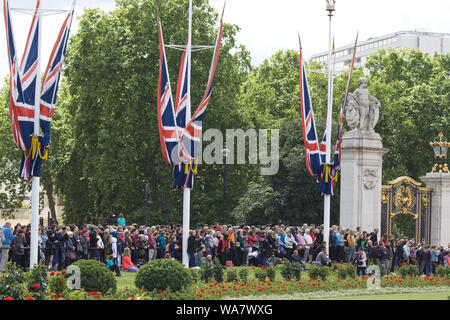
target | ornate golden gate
[{"x": 406, "y": 196}]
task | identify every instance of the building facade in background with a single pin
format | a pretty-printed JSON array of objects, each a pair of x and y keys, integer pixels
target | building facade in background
[{"x": 427, "y": 42}]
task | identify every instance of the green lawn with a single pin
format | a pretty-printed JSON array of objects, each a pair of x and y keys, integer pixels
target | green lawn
[{"x": 127, "y": 280}]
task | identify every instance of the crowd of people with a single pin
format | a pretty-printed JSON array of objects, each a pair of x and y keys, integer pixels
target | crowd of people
[{"x": 127, "y": 247}]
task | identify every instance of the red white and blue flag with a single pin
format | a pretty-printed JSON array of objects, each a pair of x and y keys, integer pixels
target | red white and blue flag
[
  {"x": 23, "y": 92},
  {"x": 22, "y": 89},
  {"x": 52, "y": 76},
  {"x": 315, "y": 154},
  {"x": 192, "y": 133},
  {"x": 309, "y": 131},
  {"x": 179, "y": 133}
]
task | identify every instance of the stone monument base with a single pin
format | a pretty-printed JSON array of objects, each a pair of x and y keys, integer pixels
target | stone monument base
[{"x": 361, "y": 175}]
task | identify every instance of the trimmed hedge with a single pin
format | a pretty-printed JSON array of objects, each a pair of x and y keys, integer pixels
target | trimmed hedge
[
  {"x": 163, "y": 274},
  {"x": 95, "y": 276}
]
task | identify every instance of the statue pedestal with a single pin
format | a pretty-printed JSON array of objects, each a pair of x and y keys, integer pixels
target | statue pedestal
[
  {"x": 361, "y": 175},
  {"x": 440, "y": 207}
]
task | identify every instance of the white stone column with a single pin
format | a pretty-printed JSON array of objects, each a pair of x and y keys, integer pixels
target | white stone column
[
  {"x": 361, "y": 179},
  {"x": 440, "y": 207}
]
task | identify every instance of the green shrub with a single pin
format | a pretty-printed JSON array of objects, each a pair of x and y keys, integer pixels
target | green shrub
[
  {"x": 163, "y": 274},
  {"x": 11, "y": 283},
  {"x": 317, "y": 272},
  {"x": 346, "y": 270},
  {"x": 195, "y": 275},
  {"x": 37, "y": 282},
  {"x": 206, "y": 272},
  {"x": 243, "y": 274},
  {"x": 95, "y": 277},
  {"x": 442, "y": 271},
  {"x": 408, "y": 270},
  {"x": 271, "y": 273},
  {"x": 218, "y": 270},
  {"x": 261, "y": 273},
  {"x": 291, "y": 270},
  {"x": 231, "y": 275},
  {"x": 57, "y": 283}
]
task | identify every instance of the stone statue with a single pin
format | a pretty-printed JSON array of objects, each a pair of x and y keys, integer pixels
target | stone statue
[{"x": 363, "y": 109}]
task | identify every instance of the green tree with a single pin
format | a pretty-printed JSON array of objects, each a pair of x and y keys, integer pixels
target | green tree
[
  {"x": 12, "y": 192},
  {"x": 270, "y": 98},
  {"x": 414, "y": 91}
]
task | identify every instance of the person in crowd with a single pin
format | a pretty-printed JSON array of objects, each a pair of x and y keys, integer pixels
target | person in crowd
[
  {"x": 361, "y": 262},
  {"x": 111, "y": 265},
  {"x": 322, "y": 258},
  {"x": 121, "y": 221},
  {"x": 60, "y": 246},
  {"x": 308, "y": 245},
  {"x": 340, "y": 244},
  {"x": 127, "y": 264},
  {"x": 389, "y": 257},
  {"x": 295, "y": 257},
  {"x": 351, "y": 243},
  {"x": 161, "y": 244},
  {"x": 8, "y": 238},
  {"x": 290, "y": 243},
  {"x": 191, "y": 248},
  {"x": 19, "y": 248},
  {"x": 264, "y": 251},
  {"x": 434, "y": 258}
]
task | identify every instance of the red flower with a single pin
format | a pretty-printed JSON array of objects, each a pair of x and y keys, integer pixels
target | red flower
[
  {"x": 63, "y": 272},
  {"x": 36, "y": 286},
  {"x": 97, "y": 296},
  {"x": 8, "y": 298},
  {"x": 29, "y": 298},
  {"x": 52, "y": 273},
  {"x": 62, "y": 281},
  {"x": 165, "y": 293}
]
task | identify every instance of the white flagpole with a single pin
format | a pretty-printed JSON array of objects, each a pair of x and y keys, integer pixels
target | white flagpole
[
  {"x": 186, "y": 190},
  {"x": 36, "y": 180},
  {"x": 327, "y": 197}
]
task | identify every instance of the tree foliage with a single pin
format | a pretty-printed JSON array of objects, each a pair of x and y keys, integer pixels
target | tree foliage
[
  {"x": 112, "y": 73},
  {"x": 414, "y": 91}
]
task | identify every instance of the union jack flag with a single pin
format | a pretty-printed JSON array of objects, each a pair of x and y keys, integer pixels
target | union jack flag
[
  {"x": 179, "y": 133},
  {"x": 312, "y": 155},
  {"x": 315, "y": 154},
  {"x": 168, "y": 134},
  {"x": 22, "y": 89},
  {"x": 191, "y": 135},
  {"x": 23, "y": 92},
  {"x": 51, "y": 79}
]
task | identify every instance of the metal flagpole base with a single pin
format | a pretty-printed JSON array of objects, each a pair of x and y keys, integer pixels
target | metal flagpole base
[
  {"x": 326, "y": 221},
  {"x": 186, "y": 217},
  {"x": 34, "y": 222}
]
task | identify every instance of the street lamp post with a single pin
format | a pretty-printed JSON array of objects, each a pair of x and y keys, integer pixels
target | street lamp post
[
  {"x": 440, "y": 147},
  {"x": 147, "y": 201},
  {"x": 225, "y": 153},
  {"x": 327, "y": 198}
]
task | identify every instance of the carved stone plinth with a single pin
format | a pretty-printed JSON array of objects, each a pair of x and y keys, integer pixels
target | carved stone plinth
[{"x": 361, "y": 175}]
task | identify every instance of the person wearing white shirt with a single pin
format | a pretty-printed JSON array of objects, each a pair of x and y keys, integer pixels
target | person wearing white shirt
[{"x": 308, "y": 244}]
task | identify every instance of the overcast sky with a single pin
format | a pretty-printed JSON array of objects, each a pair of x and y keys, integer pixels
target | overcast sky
[{"x": 271, "y": 25}]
